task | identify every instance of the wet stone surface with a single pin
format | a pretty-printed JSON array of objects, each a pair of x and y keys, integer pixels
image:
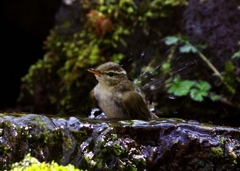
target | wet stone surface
[{"x": 164, "y": 144}]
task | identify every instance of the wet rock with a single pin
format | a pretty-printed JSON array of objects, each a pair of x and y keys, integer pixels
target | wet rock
[{"x": 164, "y": 144}]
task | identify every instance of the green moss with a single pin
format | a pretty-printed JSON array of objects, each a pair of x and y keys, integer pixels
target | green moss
[
  {"x": 30, "y": 164},
  {"x": 217, "y": 151}
]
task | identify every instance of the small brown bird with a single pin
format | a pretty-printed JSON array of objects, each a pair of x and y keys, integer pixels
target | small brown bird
[{"x": 116, "y": 96}]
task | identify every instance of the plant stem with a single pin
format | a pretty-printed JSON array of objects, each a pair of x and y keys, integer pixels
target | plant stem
[{"x": 216, "y": 72}]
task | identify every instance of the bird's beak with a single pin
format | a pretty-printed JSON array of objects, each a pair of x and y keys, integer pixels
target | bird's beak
[{"x": 95, "y": 71}]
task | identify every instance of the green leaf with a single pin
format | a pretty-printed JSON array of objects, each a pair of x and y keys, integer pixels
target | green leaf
[
  {"x": 187, "y": 48},
  {"x": 197, "y": 94},
  {"x": 229, "y": 67},
  {"x": 170, "y": 40},
  {"x": 181, "y": 92},
  {"x": 180, "y": 88},
  {"x": 166, "y": 67},
  {"x": 149, "y": 14},
  {"x": 236, "y": 55},
  {"x": 103, "y": 8},
  {"x": 130, "y": 10},
  {"x": 214, "y": 97},
  {"x": 187, "y": 84},
  {"x": 117, "y": 57},
  {"x": 203, "y": 85}
]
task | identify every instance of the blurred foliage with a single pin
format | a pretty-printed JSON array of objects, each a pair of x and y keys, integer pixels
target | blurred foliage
[
  {"x": 228, "y": 78},
  {"x": 219, "y": 86},
  {"x": 58, "y": 83}
]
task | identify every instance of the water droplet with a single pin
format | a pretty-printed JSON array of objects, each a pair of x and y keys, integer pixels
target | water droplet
[
  {"x": 101, "y": 116},
  {"x": 152, "y": 108},
  {"x": 172, "y": 97},
  {"x": 153, "y": 87},
  {"x": 92, "y": 114}
]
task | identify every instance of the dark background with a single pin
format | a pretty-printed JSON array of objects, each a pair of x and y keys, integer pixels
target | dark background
[{"x": 24, "y": 26}]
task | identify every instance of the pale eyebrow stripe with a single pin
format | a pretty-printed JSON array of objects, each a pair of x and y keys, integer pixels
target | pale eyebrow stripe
[
  {"x": 123, "y": 72},
  {"x": 116, "y": 72}
]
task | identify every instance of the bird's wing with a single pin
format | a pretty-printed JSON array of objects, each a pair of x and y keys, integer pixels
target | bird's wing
[
  {"x": 93, "y": 101},
  {"x": 135, "y": 105}
]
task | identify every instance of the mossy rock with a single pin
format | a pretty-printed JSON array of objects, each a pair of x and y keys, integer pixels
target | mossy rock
[{"x": 119, "y": 145}]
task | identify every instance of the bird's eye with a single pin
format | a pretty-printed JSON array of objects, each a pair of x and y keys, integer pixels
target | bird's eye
[{"x": 110, "y": 74}]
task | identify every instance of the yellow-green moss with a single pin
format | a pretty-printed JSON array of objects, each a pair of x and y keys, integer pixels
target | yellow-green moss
[{"x": 32, "y": 164}]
